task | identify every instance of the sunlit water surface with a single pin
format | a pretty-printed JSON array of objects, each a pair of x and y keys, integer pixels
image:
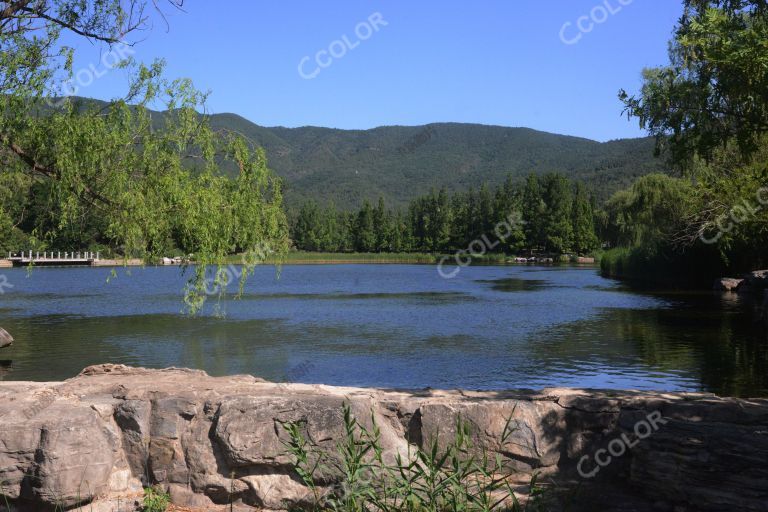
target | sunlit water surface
[{"x": 390, "y": 326}]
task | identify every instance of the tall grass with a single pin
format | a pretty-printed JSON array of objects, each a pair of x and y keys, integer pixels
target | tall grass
[{"x": 456, "y": 478}]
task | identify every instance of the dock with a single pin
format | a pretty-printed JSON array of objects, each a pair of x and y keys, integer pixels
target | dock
[{"x": 54, "y": 258}]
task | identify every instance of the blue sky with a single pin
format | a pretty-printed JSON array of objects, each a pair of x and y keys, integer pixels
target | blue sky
[{"x": 504, "y": 62}]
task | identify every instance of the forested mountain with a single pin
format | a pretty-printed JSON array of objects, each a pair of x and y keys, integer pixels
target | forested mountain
[{"x": 400, "y": 163}]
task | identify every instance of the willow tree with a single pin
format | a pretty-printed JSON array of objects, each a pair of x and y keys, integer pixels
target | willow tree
[
  {"x": 709, "y": 109},
  {"x": 142, "y": 177}
]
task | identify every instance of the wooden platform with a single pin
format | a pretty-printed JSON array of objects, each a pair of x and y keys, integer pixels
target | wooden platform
[{"x": 53, "y": 258}]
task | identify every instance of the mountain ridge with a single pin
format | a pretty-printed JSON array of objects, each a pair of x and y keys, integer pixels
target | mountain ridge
[{"x": 401, "y": 162}]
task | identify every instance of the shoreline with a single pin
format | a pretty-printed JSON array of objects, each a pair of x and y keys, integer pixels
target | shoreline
[{"x": 332, "y": 259}]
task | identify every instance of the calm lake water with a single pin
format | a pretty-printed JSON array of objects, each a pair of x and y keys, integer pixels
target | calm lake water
[{"x": 390, "y": 326}]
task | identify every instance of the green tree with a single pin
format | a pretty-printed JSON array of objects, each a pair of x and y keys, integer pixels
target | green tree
[
  {"x": 113, "y": 165},
  {"x": 651, "y": 212},
  {"x": 584, "y": 237},
  {"x": 715, "y": 88},
  {"x": 314, "y": 228},
  {"x": 459, "y": 230},
  {"x": 485, "y": 213},
  {"x": 471, "y": 212},
  {"x": 383, "y": 227},
  {"x": 365, "y": 229},
  {"x": 709, "y": 108},
  {"x": 332, "y": 234},
  {"x": 346, "y": 222},
  {"x": 558, "y": 227},
  {"x": 441, "y": 220},
  {"x": 533, "y": 213},
  {"x": 507, "y": 210},
  {"x": 398, "y": 233}
]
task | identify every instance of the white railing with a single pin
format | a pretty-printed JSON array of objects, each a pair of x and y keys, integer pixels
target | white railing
[{"x": 54, "y": 257}]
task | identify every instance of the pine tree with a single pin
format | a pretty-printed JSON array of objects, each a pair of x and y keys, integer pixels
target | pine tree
[
  {"x": 382, "y": 226},
  {"x": 365, "y": 235},
  {"x": 533, "y": 214},
  {"x": 558, "y": 223},
  {"x": 329, "y": 229},
  {"x": 305, "y": 232},
  {"x": 584, "y": 237},
  {"x": 484, "y": 211},
  {"x": 508, "y": 221},
  {"x": 471, "y": 216},
  {"x": 459, "y": 226},
  {"x": 440, "y": 213}
]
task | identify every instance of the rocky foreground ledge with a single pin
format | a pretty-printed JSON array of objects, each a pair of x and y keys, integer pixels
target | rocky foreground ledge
[{"x": 98, "y": 438}]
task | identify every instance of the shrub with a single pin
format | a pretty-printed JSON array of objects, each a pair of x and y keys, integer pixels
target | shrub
[
  {"x": 451, "y": 479},
  {"x": 155, "y": 500}
]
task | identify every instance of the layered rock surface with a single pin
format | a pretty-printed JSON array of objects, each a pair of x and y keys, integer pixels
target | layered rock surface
[{"x": 101, "y": 436}]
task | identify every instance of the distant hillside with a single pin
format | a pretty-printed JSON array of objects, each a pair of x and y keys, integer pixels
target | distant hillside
[{"x": 401, "y": 162}]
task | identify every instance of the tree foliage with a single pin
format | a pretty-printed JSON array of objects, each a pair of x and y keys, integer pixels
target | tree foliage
[
  {"x": 650, "y": 212},
  {"x": 709, "y": 107},
  {"x": 560, "y": 221},
  {"x": 142, "y": 186},
  {"x": 715, "y": 89}
]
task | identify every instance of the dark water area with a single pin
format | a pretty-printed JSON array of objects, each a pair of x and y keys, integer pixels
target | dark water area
[{"x": 404, "y": 326}]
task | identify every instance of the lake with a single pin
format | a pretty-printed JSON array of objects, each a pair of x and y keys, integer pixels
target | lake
[{"x": 491, "y": 327}]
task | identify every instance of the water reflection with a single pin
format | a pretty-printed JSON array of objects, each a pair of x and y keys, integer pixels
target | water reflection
[
  {"x": 712, "y": 341},
  {"x": 393, "y": 326},
  {"x": 512, "y": 284}
]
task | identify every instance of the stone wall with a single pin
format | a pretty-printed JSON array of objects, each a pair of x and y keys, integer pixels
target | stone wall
[{"x": 101, "y": 436}]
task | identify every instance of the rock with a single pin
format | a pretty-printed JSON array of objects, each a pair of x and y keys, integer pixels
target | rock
[
  {"x": 727, "y": 284},
  {"x": 95, "y": 439},
  {"x": 6, "y": 339}
]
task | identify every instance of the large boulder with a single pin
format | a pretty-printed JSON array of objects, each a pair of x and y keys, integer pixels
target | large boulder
[{"x": 5, "y": 338}]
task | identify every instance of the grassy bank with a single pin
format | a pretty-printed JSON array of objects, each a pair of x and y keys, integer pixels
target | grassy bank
[{"x": 330, "y": 258}]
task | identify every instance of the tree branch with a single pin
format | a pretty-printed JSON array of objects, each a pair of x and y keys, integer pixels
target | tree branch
[{"x": 49, "y": 172}]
